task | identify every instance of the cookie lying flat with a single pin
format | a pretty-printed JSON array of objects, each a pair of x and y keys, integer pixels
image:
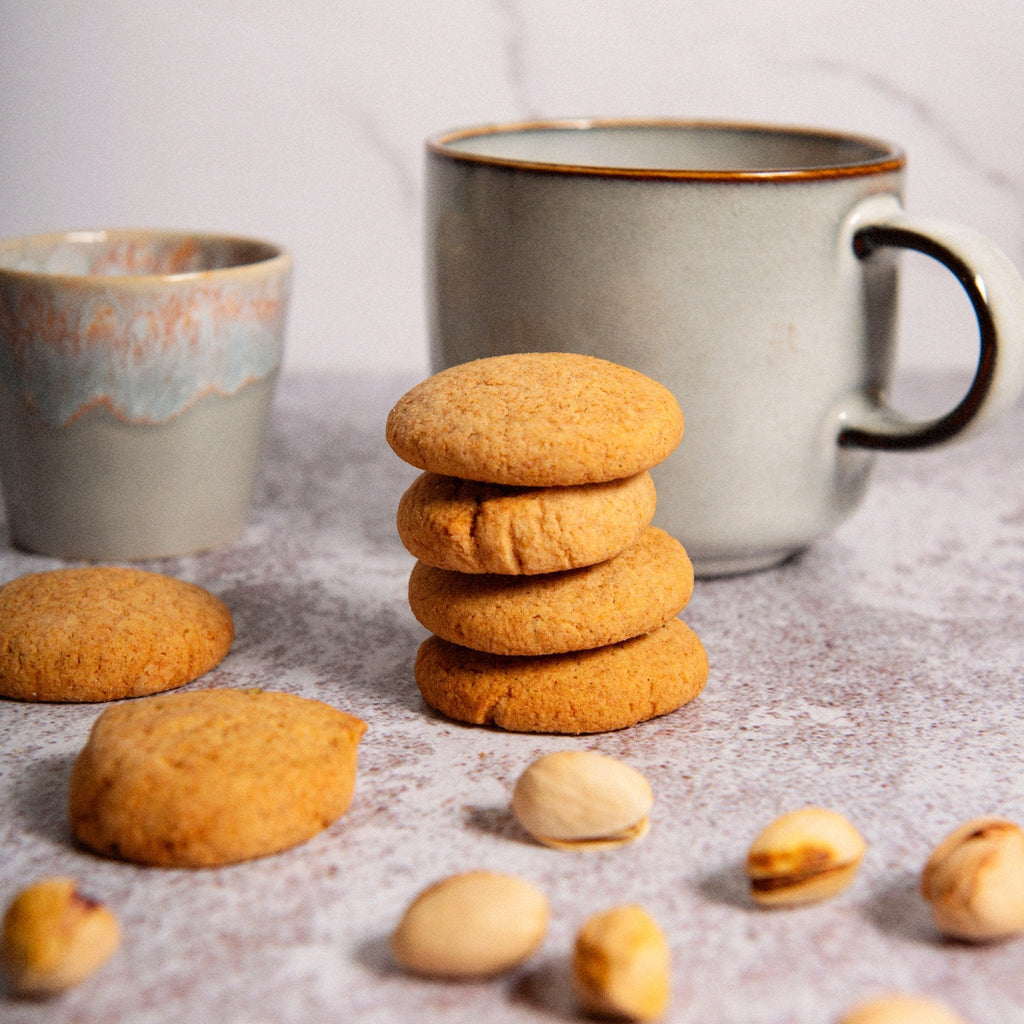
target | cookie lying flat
[
  {"x": 592, "y": 691},
  {"x": 632, "y": 593},
  {"x": 102, "y": 633},
  {"x": 476, "y": 528},
  {"x": 212, "y": 776},
  {"x": 536, "y": 419}
]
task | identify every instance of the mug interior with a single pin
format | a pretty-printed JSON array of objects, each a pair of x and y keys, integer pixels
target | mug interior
[
  {"x": 131, "y": 253},
  {"x": 678, "y": 149}
]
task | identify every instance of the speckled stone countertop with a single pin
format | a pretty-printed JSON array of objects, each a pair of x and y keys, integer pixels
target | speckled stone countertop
[{"x": 880, "y": 673}]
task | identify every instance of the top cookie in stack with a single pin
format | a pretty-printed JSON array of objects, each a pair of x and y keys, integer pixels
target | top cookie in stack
[
  {"x": 552, "y": 599},
  {"x": 536, "y": 419}
]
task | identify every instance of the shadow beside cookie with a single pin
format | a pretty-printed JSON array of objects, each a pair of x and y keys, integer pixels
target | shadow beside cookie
[
  {"x": 40, "y": 798},
  {"x": 286, "y": 631}
]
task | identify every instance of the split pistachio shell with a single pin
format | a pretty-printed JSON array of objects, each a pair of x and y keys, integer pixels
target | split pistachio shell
[
  {"x": 900, "y": 1009},
  {"x": 582, "y": 800},
  {"x": 621, "y": 965},
  {"x": 974, "y": 881},
  {"x": 806, "y": 855},
  {"x": 54, "y": 938},
  {"x": 471, "y": 925}
]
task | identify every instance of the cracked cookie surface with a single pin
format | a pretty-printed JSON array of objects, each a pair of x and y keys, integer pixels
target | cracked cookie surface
[
  {"x": 472, "y": 527},
  {"x": 211, "y": 777}
]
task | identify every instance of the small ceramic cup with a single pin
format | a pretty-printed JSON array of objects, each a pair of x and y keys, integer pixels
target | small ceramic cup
[
  {"x": 137, "y": 371},
  {"x": 750, "y": 268}
]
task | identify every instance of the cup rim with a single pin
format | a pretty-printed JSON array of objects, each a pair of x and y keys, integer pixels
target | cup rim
[
  {"x": 884, "y": 157},
  {"x": 270, "y": 253}
]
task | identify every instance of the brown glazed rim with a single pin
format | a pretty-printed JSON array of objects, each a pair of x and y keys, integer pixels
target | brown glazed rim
[{"x": 889, "y": 158}]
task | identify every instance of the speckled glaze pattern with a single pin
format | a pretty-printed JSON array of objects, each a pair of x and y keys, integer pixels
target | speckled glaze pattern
[
  {"x": 878, "y": 673},
  {"x": 140, "y": 323}
]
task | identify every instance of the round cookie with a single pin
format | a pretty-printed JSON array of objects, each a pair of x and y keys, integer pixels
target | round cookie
[
  {"x": 635, "y": 592},
  {"x": 590, "y": 691},
  {"x": 212, "y": 777},
  {"x": 536, "y": 419},
  {"x": 101, "y": 633},
  {"x": 473, "y": 527}
]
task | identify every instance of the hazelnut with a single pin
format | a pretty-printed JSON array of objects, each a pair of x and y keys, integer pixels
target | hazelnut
[
  {"x": 54, "y": 937},
  {"x": 806, "y": 855},
  {"x": 974, "y": 881},
  {"x": 582, "y": 800}
]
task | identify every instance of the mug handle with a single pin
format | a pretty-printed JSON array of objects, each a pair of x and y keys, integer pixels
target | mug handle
[{"x": 996, "y": 292}]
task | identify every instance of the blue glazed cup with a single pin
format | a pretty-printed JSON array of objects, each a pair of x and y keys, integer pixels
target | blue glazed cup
[{"x": 137, "y": 371}]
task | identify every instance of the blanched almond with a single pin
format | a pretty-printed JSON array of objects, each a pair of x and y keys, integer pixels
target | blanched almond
[
  {"x": 900, "y": 1009},
  {"x": 474, "y": 924}
]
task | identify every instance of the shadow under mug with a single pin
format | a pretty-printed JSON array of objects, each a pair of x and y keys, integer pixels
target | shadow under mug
[
  {"x": 137, "y": 372},
  {"x": 752, "y": 269}
]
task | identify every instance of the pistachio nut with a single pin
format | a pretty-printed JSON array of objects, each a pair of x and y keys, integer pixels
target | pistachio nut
[
  {"x": 582, "y": 800},
  {"x": 474, "y": 924},
  {"x": 900, "y": 1009},
  {"x": 621, "y": 965},
  {"x": 54, "y": 937},
  {"x": 806, "y": 855},
  {"x": 974, "y": 881}
]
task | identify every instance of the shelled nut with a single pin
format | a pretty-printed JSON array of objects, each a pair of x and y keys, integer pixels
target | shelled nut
[
  {"x": 54, "y": 937},
  {"x": 474, "y": 924},
  {"x": 974, "y": 881},
  {"x": 582, "y": 800},
  {"x": 621, "y": 965},
  {"x": 900, "y": 1009},
  {"x": 806, "y": 855}
]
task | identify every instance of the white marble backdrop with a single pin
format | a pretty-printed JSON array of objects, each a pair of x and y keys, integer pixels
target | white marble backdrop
[{"x": 304, "y": 121}]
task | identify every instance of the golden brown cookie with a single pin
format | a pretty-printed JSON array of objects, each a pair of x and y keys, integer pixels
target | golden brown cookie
[
  {"x": 102, "y": 633},
  {"x": 212, "y": 777},
  {"x": 475, "y": 528},
  {"x": 591, "y": 691},
  {"x": 635, "y": 592},
  {"x": 536, "y": 419}
]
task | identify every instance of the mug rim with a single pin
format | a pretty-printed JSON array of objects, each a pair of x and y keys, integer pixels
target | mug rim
[
  {"x": 886, "y": 157},
  {"x": 270, "y": 253}
]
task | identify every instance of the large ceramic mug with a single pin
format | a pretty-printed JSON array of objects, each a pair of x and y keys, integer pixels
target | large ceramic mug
[
  {"x": 137, "y": 370},
  {"x": 750, "y": 269}
]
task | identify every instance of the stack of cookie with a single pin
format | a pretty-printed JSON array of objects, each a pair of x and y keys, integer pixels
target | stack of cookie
[{"x": 552, "y": 600}]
